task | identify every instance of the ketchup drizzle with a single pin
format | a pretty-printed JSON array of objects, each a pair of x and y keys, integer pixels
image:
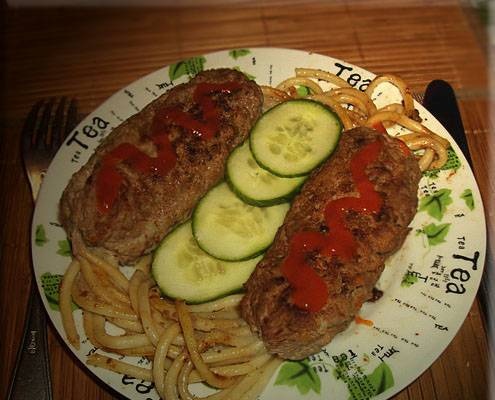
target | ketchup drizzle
[
  {"x": 108, "y": 179},
  {"x": 210, "y": 122},
  {"x": 310, "y": 292}
]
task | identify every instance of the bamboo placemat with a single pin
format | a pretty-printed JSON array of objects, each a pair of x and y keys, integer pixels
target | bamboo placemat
[
  {"x": 103, "y": 50},
  {"x": 91, "y": 53}
]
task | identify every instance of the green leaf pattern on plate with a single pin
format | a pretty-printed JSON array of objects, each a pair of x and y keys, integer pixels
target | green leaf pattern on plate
[
  {"x": 51, "y": 287},
  {"x": 467, "y": 196},
  {"x": 436, "y": 233},
  {"x": 190, "y": 67},
  {"x": 40, "y": 236},
  {"x": 64, "y": 248},
  {"x": 453, "y": 163},
  {"x": 364, "y": 387},
  {"x": 299, "y": 374},
  {"x": 235, "y": 54},
  {"x": 408, "y": 279},
  {"x": 436, "y": 204},
  {"x": 381, "y": 378}
]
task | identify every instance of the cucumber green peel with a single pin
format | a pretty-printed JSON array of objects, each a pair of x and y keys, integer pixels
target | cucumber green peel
[
  {"x": 229, "y": 229},
  {"x": 183, "y": 271},
  {"x": 294, "y": 137},
  {"x": 257, "y": 186}
]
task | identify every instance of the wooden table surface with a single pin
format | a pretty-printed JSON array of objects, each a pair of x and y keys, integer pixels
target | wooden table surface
[{"x": 91, "y": 53}]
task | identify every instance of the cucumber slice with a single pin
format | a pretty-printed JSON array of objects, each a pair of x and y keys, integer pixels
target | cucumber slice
[
  {"x": 229, "y": 229},
  {"x": 255, "y": 185},
  {"x": 294, "y": 137},
  {"x": 183, "y": 271}
]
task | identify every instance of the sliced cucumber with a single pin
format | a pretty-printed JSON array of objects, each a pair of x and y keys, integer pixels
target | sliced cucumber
[
  {"x": 294, "y": 137},
  {"x": 255, "y": 185},
  {"x": 229, "y": 229},
  {"x": 183, "y": 271}
]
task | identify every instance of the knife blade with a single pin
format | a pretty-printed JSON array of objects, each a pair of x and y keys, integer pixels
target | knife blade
[{"x": 441, "y": 101}]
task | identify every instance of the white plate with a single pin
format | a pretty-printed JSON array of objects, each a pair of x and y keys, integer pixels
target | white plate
[{"x": 429, "y": 285}]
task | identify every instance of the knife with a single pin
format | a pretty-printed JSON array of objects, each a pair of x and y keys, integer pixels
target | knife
[{"x": 440, "y": 100}]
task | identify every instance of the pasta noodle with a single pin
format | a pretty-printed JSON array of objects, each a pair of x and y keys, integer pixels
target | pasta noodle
[
  {"x": 400, "y": 84},
  {"x": 161, "y": 355},
  {"x": 117, "y": 342},
  {"x": 334, "y": 104},
  {"x": 217, "y": 305},
  {"x": 322, "y": 75},
  {"x": 193, "y": 349},
  {"x": 101, "y": 287},
  {"x": 98, "y": 360},
  {"x": 65, "y": 303},
  {"x": 285, "y": 85},
  {"x": 151, "y": 329}
]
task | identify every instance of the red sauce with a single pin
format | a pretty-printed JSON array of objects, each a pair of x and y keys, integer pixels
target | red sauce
[
  {"x": 209, "y": 124},
  {"x": 362, "y": 321},
  {"x": 109, "y": 181},
  {"x": 379, "y": 127},
  {"x": 405, "y": 150},
  {"x": 309, "y": 289}
]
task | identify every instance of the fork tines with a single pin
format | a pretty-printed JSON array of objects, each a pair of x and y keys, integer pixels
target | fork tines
[
  {"x": 46, "y": 127},
  {"x": 48, "y": 123}
]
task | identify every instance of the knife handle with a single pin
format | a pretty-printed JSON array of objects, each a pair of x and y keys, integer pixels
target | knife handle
[
  {"x": 31, "y": 379},
  {"x": 440, "y": 99}
]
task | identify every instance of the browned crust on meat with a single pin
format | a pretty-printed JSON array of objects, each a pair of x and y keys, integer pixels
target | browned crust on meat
[
  {"x": 149, "y": 206},
  {"x": 291, "y": 332}
]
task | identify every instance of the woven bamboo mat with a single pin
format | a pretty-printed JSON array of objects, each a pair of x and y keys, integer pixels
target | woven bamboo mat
[
  {"x": 104, "y": 50},
  {"x": 91, "y": 53}
]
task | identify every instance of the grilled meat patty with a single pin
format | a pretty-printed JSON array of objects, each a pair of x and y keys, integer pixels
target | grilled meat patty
[
  {"x": 149, "y": 205},
  {"x": 268, "y": 306}
]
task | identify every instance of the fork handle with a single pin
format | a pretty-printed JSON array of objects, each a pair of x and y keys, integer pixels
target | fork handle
[{"x": 31, "y": 378}]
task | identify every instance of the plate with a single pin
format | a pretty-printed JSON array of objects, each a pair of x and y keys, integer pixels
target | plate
[{"x": 428, "y": 285}]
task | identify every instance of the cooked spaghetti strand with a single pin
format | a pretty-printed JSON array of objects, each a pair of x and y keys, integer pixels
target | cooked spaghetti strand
[
  {"x": 98, "y": 360},
  {"x": 65, "y": 303},
  {"x": 161, "y": 355},
  {"x": 192, "y": 347}
]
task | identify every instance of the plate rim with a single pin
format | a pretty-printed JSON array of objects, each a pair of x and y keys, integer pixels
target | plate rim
[{"x": 94, "y": 371}]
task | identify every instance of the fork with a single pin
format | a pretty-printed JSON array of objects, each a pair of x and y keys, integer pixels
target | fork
[
  {"x": 47, "y": 125},
  {"x": 45, "y": 128}
]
